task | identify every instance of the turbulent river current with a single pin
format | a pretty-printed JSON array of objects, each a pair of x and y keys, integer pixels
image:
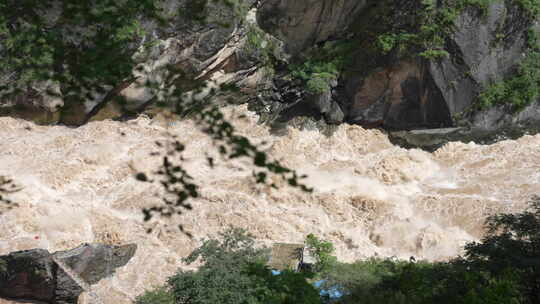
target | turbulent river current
[{"x": 371, "y": 198}]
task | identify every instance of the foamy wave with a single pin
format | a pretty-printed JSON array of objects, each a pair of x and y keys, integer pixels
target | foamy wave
[{"x": 371, "y": 197}]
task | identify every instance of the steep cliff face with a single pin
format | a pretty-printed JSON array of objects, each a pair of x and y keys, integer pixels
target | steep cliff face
[
  {"x": 302, "y": 24},
  {"x": 413, "y": 65},
  {"x": 201, "y": 41},
  {"x": 396, "y": 64}
]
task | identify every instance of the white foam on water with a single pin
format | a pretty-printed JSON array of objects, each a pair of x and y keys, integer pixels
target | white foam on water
[{"x": 370, "y": 198}]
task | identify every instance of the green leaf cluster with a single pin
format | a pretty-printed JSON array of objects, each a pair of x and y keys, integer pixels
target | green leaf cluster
[
  {"x": 322, "y": 251},
  {"x": 321, "y": 66},
  {"x": 523, "y": 87},
  {"x": 232, "y": 271},
  {"x": 504, "y": 267},
  {"x": 82, "y": 45},
  {"x": 532, "y": 7},
  {"x": 432, "y": 24}
]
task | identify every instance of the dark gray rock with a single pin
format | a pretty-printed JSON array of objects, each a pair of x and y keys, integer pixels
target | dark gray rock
[
  {"x": 397, "y": 92},
  {"x": 479, "y": 56},
  {"x": 433, "y": 139},
  {"x": 28, "y": 275},
  {"x": 321, "y": 102},
  {"x": 335, "y": 114},
  {"x": 93, "y": 262},
  {"x": 425, "y": 139},
  {"x": 37, "y": 275},
  {"x": 301, "y": 24},
  {"x": 503, "y": 116},
  {"x": 67, "y": 290}
]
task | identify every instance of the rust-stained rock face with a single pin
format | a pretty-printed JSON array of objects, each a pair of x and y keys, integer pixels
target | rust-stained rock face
[{"x": 402, "y": 96}]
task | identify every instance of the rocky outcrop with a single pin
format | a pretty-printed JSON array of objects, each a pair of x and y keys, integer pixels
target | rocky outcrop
[
  {"x": 400, "y": 89},
  {"x": 37, "y": 275},
  {"x": 397, "y": 93},
  {"x": 254, "y": 44},
  {"x": 483, "y": 49},
  {"x": 195, "y": 44}
]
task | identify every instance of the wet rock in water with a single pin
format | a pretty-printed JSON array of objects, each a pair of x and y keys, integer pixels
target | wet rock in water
[
  {"x": 37, "y": 275},
  {"x": 93, "y": 262},
  {"x": 433, "y": 139},
  {"x": 428, "y": 139}
]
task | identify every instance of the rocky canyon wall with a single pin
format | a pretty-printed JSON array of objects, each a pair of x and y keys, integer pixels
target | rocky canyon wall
[{"x": 391, "y": 68}]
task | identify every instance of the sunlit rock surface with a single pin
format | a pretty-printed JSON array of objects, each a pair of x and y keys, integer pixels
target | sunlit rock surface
[{"x": 371, "y": 198}]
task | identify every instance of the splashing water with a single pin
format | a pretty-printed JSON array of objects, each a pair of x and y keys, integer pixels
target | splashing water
[{"x": 371, "y": 198}]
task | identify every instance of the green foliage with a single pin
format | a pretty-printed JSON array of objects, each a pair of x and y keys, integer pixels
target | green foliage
[
  {"x": 503, "y": 268},
  {"x": 160, "y": 295},
  {"x": 255, "y": 37},
  {"x": 396, "y": 282},
  {"x": 322, "y": 251},
  {"x": 428, "y": 30},
  {"x": 390, "y": 41},
  {"x": 82, "y": 45},
  {"x": 446, "y": 283},
  {"x": 434, "y": 54},
  {"x": 532, "y": 7},
  {"x": 200, "y": 11},
  {"x": 233, "y": 246},
  {"x": 259, "y": 45},
  {"x": 512, "y": 242},
  {"x": 317, "y": 75},
  {"x": 523, "y": 87},
  {"x": 288, "y": 287},
  {"x": 322, "y": 66},
  {"x": 427, "y": 33},
  {"x": 222, "y": 277},
  {"x": 233, "y": 271},
  {"x": 357, "y": 280}
]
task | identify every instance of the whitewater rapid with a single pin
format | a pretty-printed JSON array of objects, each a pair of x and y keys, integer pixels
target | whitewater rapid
[{"x": 371, "y": 198}]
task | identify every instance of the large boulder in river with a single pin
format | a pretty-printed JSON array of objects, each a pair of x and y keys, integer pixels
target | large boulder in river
[{"x": 37, "y": 275}]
